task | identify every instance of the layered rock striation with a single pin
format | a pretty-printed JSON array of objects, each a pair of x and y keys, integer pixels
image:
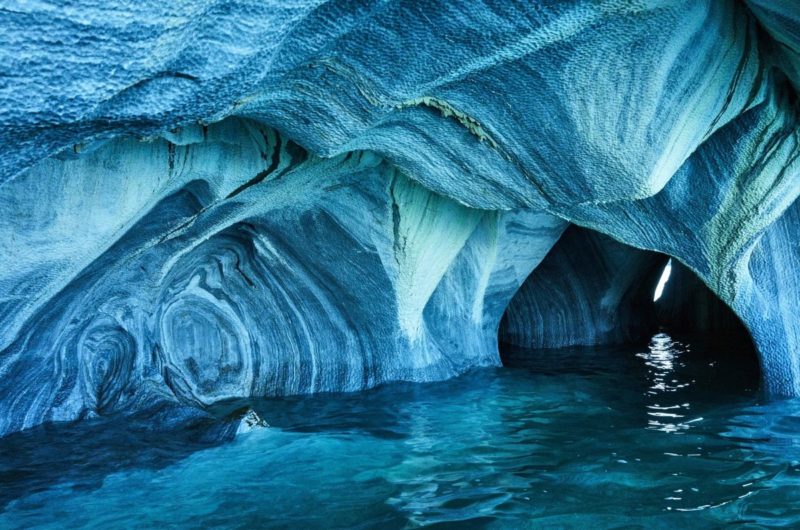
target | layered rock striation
[{"x": 206, "y": 200}]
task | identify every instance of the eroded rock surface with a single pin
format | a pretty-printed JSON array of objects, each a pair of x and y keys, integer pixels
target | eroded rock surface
[
  {"x": 204, "y": 200},
  {"x": 589, "y": 290}
]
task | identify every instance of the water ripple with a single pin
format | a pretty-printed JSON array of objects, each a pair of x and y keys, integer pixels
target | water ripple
[{"x": 636, "y": 437}]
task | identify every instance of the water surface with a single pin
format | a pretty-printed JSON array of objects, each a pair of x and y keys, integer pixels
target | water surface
[{"x": 665, "y": 434}]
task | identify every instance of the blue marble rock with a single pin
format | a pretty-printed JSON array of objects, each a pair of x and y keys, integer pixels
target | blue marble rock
[
  {"x": 204, "y": 200},
  {"x": 234, "y": 263},
  {"x": 589, "y": 290},
  {"x": 723, "y": 215},
  {"x": 594, "y": 290}
]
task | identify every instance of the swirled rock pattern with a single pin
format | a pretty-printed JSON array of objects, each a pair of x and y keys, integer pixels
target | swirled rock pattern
[
  {"x": 208, "y": 199},
  {"x": 248, "y": 267},
  {"x": 717, "y": 215}
]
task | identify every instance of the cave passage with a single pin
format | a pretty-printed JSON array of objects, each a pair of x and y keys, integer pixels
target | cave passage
[{"x": 594, "y": 292}]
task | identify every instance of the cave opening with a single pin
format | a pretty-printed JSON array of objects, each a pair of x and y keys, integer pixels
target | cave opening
[
  {"x": 593, "y": 293},
  {"x": 662, "y": 282}
]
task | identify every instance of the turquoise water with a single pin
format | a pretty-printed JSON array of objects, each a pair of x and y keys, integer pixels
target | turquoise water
[{"x": 665, "y": 434}]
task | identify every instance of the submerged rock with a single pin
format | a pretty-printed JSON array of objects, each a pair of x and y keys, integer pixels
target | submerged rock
[
  {"x": 217, "y": 199},
  {"x": 251, "y": 421}
]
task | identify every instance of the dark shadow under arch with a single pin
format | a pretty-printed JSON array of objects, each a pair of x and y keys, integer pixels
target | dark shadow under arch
[{"x": 591, "y": 290}]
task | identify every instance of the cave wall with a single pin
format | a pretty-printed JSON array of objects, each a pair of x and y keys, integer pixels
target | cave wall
[
  {"x": 589, "y": 290},
  {"x": 716, "y": 215},
  {"x": 688, "y": 308},
  {"x": 512, "y": 94},
  {"x": 781, "y": 21},
  {"x": 240, "y": 265},
  {"x": 209, "y": 199},
  {"x": 594, "y": 290}
]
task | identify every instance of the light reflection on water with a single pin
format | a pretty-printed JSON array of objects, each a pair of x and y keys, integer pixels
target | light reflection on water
[
  {"x": 667, "y": 412},
  {"x": 667, "y": 437}
]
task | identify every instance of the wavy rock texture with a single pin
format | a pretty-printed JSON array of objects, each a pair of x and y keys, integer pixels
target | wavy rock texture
[
  {"x": 717, "y": 215},
  {"x": 592, "y": 290},
  {"x": 781, "y": 20},
  {"x": 240, "y": 265},
  {"x": 589, "y": 290},
  {"x": 202, "y": 200}
]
